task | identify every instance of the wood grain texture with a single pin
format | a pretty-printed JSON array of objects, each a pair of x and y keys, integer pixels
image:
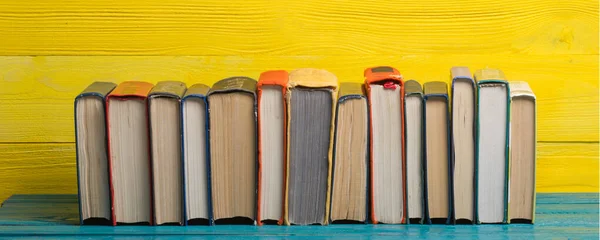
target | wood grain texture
[
  {"x": 50, "y": 168},
  {"x": 36, "y": 93},
  {"x": 312, "y": 27},
  {"x": 573, "y": 216}
]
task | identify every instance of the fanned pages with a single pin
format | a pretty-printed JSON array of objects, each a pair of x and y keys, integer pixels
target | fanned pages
[
  {"x": 492, "y": 146},
  {"x": 349, "y": 184},
  {"x": 165, "y": 135},
  {"x": 129, "y": 158},
  {"x": 413, "y": 101},
  {"x": 438, "y": 191},
  {"x": 385, "y": 89},
  {"x": 311, "y": 98},
  {"x": 271, "y": 89},
  {"x": 194, "y": 110},
  {"x": 463, "y": 143},
  {"x": 521, "y": 202},
  {"x": 233, "y": 150},
  {"x": 92, "y": 163}
]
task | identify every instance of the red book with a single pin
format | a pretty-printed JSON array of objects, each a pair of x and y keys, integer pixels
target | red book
[
  {"x": 385, "y": 90},
  {"x": 129, "y": 153}
]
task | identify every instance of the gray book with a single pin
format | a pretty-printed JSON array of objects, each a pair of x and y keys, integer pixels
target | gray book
[{"x": 311, "y": 106}]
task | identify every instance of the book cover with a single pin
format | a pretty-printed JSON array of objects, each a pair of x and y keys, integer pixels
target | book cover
[
  {"x": 521, "y": 90},
  {"x": 100, "y": 90},
  {"x": 196, "y": 91},
  {"x": 483, "y": 77},
  {"x": 173, "y": 90},
  {"x": 317, "y": 79},
  {"x": 230, "y": 85},
  {"x": 348, "y": 91},
  {"x": 412, "y": 88},
  {"x": 462, "y": 75},
  {"x": 437, "y": 90},
  {"x": 388, "y": 77},
  {"x": 270, "y": 78},
  {"x": 125, "y": 90}
]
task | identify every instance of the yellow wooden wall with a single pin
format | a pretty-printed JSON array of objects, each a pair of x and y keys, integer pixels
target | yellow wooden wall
[{"x": 50, "y": 50}]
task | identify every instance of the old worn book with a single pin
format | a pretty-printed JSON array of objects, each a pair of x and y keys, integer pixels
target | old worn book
[
  {"x": 271, "y": 89},
  {"x": 521, "y": 202},
  {"x": 129, "y": 153},
  {"x": 165, "y": 137},
  {"x": 350, "y": 156},
  {"x": 385, "y": 89},
  {"x": 194, "y": 122},
  {"x": 413, "y": 104},
  {"x": 491, "y": 164},
  {"x": 463, "y": 144},
  {"x": 438, "y": 183},
  {"x": 92, "y": 164},
  {"x": 311, "y": 98},
  {"x": 233, "y": 154}
]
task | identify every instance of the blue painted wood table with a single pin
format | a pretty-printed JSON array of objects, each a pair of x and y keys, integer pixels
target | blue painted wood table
[{"x": 559, "y": 216}]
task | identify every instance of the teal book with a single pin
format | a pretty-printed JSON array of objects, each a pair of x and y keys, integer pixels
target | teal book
[
  {"x": 491, "y": 164},
  {"x": 437, "y": 164},
  {"x": 91, "y": 152}
]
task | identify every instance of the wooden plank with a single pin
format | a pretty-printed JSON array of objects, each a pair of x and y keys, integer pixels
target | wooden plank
[
  {"x": 312, "y": 27},
  {"x": 36, "y": 93},
  {"x": 50, "y": 168}
]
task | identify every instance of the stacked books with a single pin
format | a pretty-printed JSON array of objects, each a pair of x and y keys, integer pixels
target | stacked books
[{"x": 298, "y": 148}]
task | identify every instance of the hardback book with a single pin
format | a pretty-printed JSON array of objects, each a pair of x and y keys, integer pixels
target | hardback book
[
  {"x": 463, "y": 144},
  {"x": 129, "y": 153},
  {"x": 195, "y": 155},
  {"x": 164, "y": 109},
  {"x": 271, "y": 90},
  {"x": 385, "y": 90},
  {"x": 92, "y": 163},
  {"x": 233, "y": 150},
  {"x": 491, "y": 159},
  {"x": 437, "y": 165},
  {"x": 413, "y": 119},
  {"x": 349, "y": 195},
  {"x": 311, "y": 98},
  {"x": 521, "y": 202}
]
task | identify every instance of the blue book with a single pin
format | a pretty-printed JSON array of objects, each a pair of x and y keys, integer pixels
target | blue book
[
  {"x": 91, "y": 151},
  {"x": 195, "y": 156}
]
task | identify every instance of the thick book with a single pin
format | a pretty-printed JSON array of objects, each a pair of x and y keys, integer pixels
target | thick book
[
  {"x": 521, "y": 188},
  {"x": 463, "y": 144},
  {"x": 437, "y": 164},
  {"x": 271, "y": 90},
  {"x": 311, "y": 98},
  {"x": 164, "y": 109},
  {"x": 195, "y": 156},
  {"x": 129, "y": 153},
  {"x": 92, "y": 164},
  {"x": 414, "y": 129},
  {"x": 491, "y": 159},
  {"x": 349, "y": 195},
  {"x": 385, "y": 90},
  {"x": 233, "y": 154}
]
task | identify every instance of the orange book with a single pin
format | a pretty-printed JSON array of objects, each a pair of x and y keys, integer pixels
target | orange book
[
  {"x": 385, "y": 90},
  {"x": 271, "y": 89},
  {"x": 129, "y": 153}
]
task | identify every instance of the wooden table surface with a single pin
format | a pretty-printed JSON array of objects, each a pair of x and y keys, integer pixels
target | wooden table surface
[{"x": 558, "y": 216}]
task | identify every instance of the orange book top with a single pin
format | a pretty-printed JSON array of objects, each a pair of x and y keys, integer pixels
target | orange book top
[
  {"x": 279, "y": 78},
  {"x": 132, "y": 89},
  {"x": 382, "y": 73},
  {"x": 275, "y": 77}
]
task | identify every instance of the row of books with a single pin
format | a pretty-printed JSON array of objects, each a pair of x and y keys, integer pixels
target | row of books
[{"x": 300, "y": 149}]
